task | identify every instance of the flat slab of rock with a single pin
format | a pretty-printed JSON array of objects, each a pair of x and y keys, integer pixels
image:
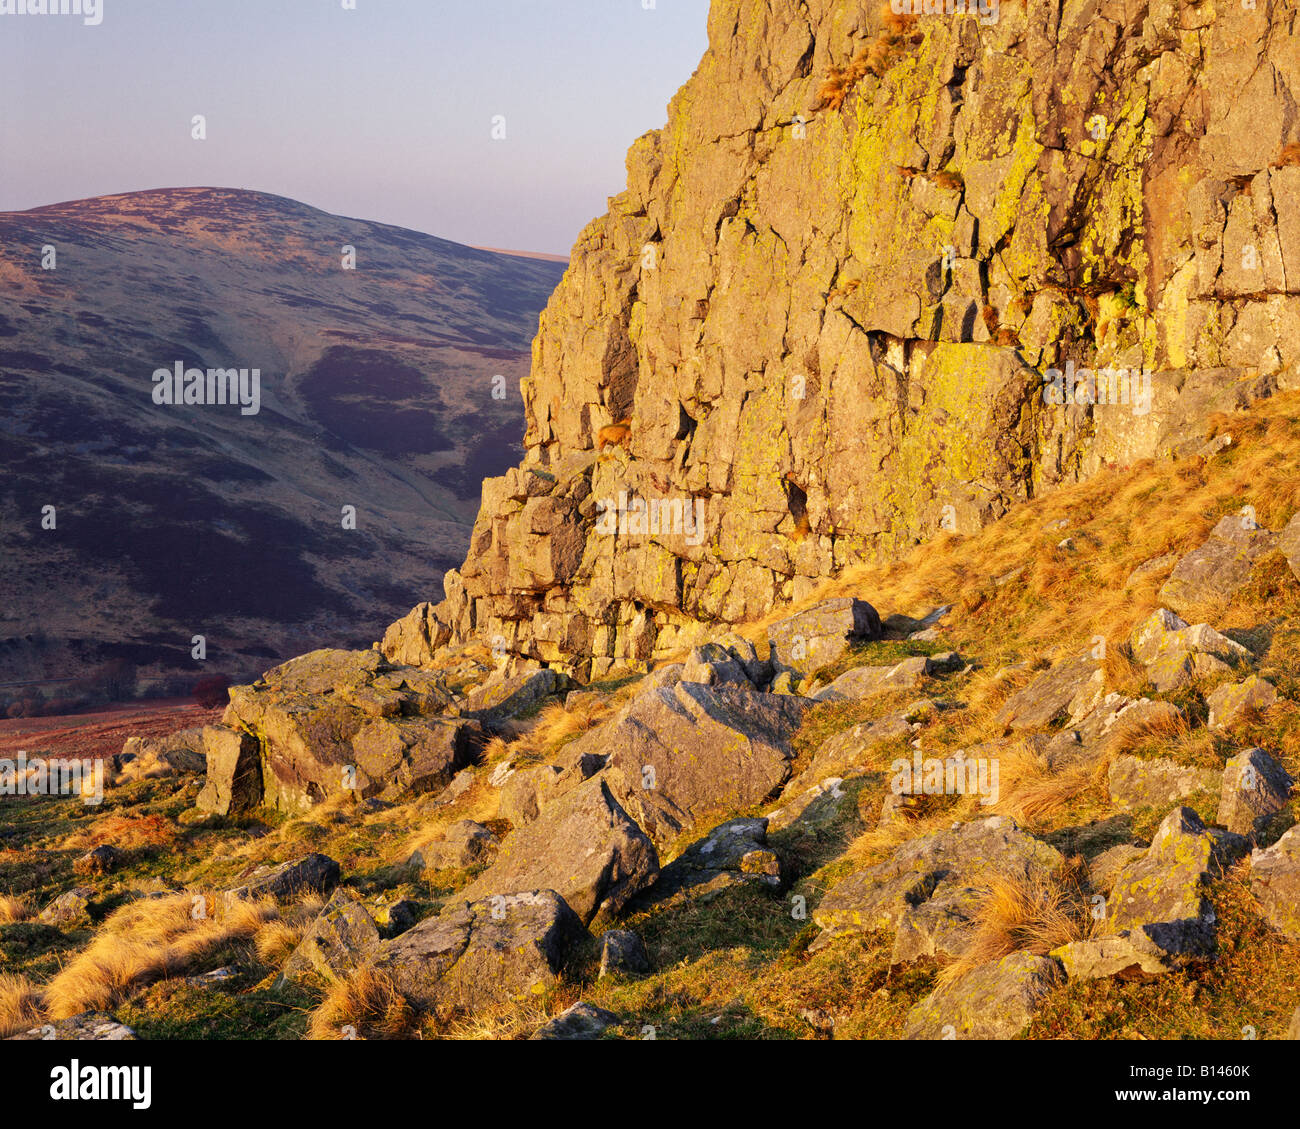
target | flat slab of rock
[
  {"x": 499, "y": 699},
  {"x": 681, "y": 751},
  {"x": 1275, "y": 883},
  {"x": 994, "y": 1001},
  {"x": 1048, "y": 698},
  {"x": 1229, "y": 702},
  {"x": 584, "y": 845},
  {"x": 927, "y": 893},
  {"x": 733, "y": 854},
  {"x": 1128, "y": 955},
  {"x": 315, "y": 872},
  {"x": 474, "y": 955},
  {"x": 821, "y": 635},
  {"x": 1136, "y": 782},
  {"x": 1215, "y": 572}
]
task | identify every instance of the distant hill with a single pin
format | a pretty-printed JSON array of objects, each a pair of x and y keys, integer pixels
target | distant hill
[{"x": 376, "y": 391}]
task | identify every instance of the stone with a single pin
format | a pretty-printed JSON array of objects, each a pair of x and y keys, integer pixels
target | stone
[
  {"x": 417, "y": 638},
  {"x": 501, "y": 699},
  {"x": 584, "y": 846},
  {"x": 89, "y": 1027},
  {"x": 465, "y": 843},
  {"x": 994, "y": 1001},
  {"x": 396, "y": 759},
  {"x": 340, "y": 940},
  {"x": 234, "y": 771},
  {"x": 1275, "y": 883},
  {"x": 473, "y": 956},
  {"x": 814, "y": 808},
  {"x": 1214, "y": 573},
  {"x": 868, "y": 681},
  {"x": 849, "y": 751},
  {"x": 316, "y": 873},
  {"x": 581, "y": 1022},
  {"x": 679, "y": 751},
  {"x": 1231, "y": 701},
  {"x": 822, "y": 634},
  {"x": 1048, "y": 698},
  {"x": 1135, "y": 782},
  {"x": 1289, "y": 542},
  {"x": 103, "y": 859},
  {"x": 622, "y": 953},
  {"x": 1128, "y": 955},
  {"x": 71, "y": 908},
  {"x": 1105, "y": 868},
  {"x": 1254, "y": 788},
  {"x": 178, "y": 753},
  {"x": 734, "y": 854}
]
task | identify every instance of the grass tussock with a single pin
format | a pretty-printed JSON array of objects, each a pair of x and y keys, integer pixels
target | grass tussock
[
  {"x": 896, "y": 35},
  {"x": 126, "y": 832},
  {"x": 13, "y": 909},
  {"x": 365, "y": 1005},
  {"x": 149, "y": 940},
  {"x": 20, "y": 1006}
]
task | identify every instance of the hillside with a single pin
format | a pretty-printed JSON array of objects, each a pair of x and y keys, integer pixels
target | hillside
[{"x": 376, "y": 391}]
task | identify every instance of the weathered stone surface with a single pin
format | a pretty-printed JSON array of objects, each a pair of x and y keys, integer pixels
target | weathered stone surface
[
  {"x": 813, "y": 808},
  {"x": 1048, "y": 698},
  {"x": 994, "y": 1001},
  {"x": 340, "y": 940},
  {"x": 581, "y": 1022},
  {"x": 1254, "y": 787},
  {"x": 103, "y": 859},
  {"x": 1156, "y": 781},
  {"x": 465, "y": 843},
  {"x": 71, "y": 908},
  {"x": 733, "y": 854},
  {"x": 316, "y": 872},
  {"x": 623, "y": 953},
  {"x": 822, "y": 634},
  {"x": 307, "y": 713},
  {"x": 1215, "y": 572},
  {"x": 849, "y": 750},
  {"x": 1128, "y": 955},
  {"x": 501, "y": 698},
  {"x": 1106, "y": 867},
  {"x": 89, "y": 1027},
  {"x": 181, "y": 752},
  {"x": 1275, "y": 882},
  {"x": 416, "y": 638},
  {"x": 473, "y": 955},
  {"x": 234, "y": 771},
  {"x": 1164, "y": 632},
  {"x": 681, "y": 751},
  {"x": 584, "y": 846},
  {"x": 1085, "y": 739},
  {"x": 868, "y": 681},
  {"x": 1230, "y": 701},
  {"x": 927, "y": 892}
]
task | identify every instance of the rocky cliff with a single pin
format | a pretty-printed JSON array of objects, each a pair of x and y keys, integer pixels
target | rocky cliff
[{"x": 881, "y": 276}]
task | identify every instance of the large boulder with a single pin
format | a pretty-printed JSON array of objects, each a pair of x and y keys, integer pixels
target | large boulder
[
  {"x": 820, "y": 635},
  {"x": 681, "y": 751},
  {"x": 733, "y": 854},
  {"x": 344, "y": 937},
  {"x": 1254, "y": 788},
  {"x": 234, "y": 771},
  {"x": 994, "y": 1001},
  {"x": 335, "y": 721},
  {"x": 1135, "y": 782},
  {"x": 1214, "y": 573},
  {"x": 1275, "y": 882},
  {"x": 471, "y": 956},
  {"x": 584, "y": 846},
  {"x": 1234, "y": 699},
  {"x": 928, "y": 892}
]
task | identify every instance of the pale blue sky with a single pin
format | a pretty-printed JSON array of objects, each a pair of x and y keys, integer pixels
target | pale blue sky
[{"x": 383, "y": 113}]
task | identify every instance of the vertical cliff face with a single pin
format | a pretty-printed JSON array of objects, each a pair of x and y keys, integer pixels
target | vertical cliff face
[{"x": 825, "y": 319}]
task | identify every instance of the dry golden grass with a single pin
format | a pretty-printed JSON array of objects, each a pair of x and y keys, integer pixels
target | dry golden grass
[
  {"x": 275, "y": 941},
  {"x": 145, "y": 941},
  {"x": 20, "y": 1006},
  {"x": 1035, "y": 914},
  {"x": 126, "y": 832},
  {"x": 1031, "y": 793},
  {"x": 365, "y": 1005},
  {"x": 13, "y": 909}
]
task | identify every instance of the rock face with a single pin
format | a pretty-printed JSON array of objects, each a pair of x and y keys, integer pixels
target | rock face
[
  {"x": 471, "y": 956},
  {"x": 982, "y": 294}
]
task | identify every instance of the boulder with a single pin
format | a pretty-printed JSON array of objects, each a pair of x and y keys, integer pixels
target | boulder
[
  {"x": 1085, "y": 739},
  {"x": 340, "y": 940},
  {"x": 1275, "y": 883},
  {"x": 471, "y": 956},
  {"x": 72, "y": 908},
  {"x": 820, "y": 635},
  {"x": 316, "y": 872},
  {"x": 396, "y": 758},
  {"x": 1135, "y": 782},
  {"x": 465, "y": 843},
  {"x": 416, "y": 638},
  {"x": 581, "y": 1022},
  {"x": 623, "y": 953},
  {"x": 997, "y": 1000},
  {"x": 1128, "y": 955},
  {"x": 733, "y": 854},
  {"x": 1164, "y": 633},
  {"x": 1254, "y": 788},
  {"x": 814, "y": 808},
  {"x": 1214, "y": 573},
  {"x": 180, "y": 753},
  {"x": 1048, "y": 698},
  {"x": 234, "y": 771},
  {"x": 926, "y": 894},
  {"x": 1106, "y": 867},
  {"x": 681, "y": 751},
  {"x": 584, "y": 846},
  {"x": 1229, "y": 702},
  {"x": 712, "y": 664},
  {"x": 502, "y": 698},
  {"x": 867, "y": 681},
  {"x": 102, "y": 860}
]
